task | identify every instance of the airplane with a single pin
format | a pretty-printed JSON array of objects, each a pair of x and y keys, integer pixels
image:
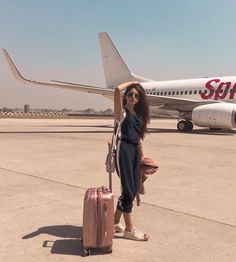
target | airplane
[{"x": 204, "y": 102}]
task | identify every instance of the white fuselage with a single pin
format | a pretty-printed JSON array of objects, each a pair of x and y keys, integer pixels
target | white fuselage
[{"x": 201, "y": 89}]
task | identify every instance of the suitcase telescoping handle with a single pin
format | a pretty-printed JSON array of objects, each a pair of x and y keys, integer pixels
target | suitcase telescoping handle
[
  {"x": 111, "y": 148},
  {"x": 109, "y": 171},
  {"x": 110, "y": 181}
]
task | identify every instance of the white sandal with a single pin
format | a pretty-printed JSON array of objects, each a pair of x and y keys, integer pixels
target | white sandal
[
  {"x": 119, "y": 228},
  {"x": 135, "y": 234}
]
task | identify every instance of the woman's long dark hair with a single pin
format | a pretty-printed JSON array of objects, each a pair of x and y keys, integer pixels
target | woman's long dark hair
[{"x": 141, "y": 108}]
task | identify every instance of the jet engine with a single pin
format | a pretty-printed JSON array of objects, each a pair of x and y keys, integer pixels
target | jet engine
[{"x": 218, "y": 115}]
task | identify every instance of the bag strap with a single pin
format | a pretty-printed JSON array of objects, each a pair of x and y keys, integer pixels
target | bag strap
[
  {"x": 112, "y": 144},
  {"x": 116, "y": 130},
  {"x": 111, "y": 148},
  {"x": 115, "y": 134},
  {"x": 109, "y": 169}
]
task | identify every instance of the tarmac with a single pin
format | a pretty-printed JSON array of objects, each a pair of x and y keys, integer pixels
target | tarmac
[{"x": 46, "y": 165}]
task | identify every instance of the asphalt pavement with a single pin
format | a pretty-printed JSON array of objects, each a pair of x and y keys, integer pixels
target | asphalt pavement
[{"x": 46, "y": 165}]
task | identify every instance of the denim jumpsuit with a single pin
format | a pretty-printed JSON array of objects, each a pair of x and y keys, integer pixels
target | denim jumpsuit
[{"x": 128, "y": 161}]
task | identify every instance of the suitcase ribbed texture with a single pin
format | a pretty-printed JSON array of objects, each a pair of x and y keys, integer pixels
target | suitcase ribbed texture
[{"x": 98, "y": 219}]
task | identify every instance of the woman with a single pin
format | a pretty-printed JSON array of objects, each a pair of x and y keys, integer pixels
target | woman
[{"x": 132, "y": 113}]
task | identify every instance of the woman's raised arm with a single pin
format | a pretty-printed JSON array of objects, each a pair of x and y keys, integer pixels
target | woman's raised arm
[{"x": 118, "y": 108}]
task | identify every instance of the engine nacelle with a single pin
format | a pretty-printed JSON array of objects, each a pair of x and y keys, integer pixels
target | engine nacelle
[{"x": 218, "y": 115}]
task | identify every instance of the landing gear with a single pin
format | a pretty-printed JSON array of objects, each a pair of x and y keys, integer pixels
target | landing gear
[{"x": 185, "y": 126}]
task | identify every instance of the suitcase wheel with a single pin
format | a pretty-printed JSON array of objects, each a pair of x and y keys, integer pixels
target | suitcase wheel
[
  {"x": 86, "y": 252},
  {"x": 109, "y": 249}
]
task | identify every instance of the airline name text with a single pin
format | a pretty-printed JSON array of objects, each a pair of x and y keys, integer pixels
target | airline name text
[{"x": 219, "y": 90}]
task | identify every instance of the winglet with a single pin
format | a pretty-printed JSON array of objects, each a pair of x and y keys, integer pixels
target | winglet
[{"x": 14, "y": 69}]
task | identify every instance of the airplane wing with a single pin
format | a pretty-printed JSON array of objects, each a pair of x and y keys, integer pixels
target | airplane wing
[
  {"x": 168, "y": 103},
  {"x": 164, "y": 102},
  {"x": 59, "y": 84},
  {"x": 175, "y": 103}
]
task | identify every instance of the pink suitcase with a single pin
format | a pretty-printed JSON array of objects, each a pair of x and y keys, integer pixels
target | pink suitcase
[{"x": 98, "y": 220}]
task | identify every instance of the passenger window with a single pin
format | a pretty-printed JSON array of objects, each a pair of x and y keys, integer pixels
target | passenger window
[
  {"x": 181, "y": 92},
  {"x": 195, "y": 92},
  {"x": 173, "y": 93},
  {"x": 190, "y": 92},
  {"x": 177, "y": 92},
  {"x": 186, "y": 92}
]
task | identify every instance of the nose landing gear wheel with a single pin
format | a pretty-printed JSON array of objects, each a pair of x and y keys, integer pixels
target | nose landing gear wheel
[{"x": 185, "y": 126}]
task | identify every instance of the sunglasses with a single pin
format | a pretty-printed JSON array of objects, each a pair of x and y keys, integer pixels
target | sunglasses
[{"x": 135, "y": 95}]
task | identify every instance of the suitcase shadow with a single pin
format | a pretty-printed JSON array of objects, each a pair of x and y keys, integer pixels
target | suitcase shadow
[
  {"x": 72, "y": 245},
  {"x": 65, "y": 247},
  {"x": 65, "y": 231}
]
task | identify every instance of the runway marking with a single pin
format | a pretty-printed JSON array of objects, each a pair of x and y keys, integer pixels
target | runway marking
[
  {"x": 188, "y": 214},
  {"x": 144, "y": 203},
  {"x": 42, "y": 178},
  {"x": 33, "y": 206}
]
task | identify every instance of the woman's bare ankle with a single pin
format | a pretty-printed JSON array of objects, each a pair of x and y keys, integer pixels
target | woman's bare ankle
[{"x": 129, "y": 228}]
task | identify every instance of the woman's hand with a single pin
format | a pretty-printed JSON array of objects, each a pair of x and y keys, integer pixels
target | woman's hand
[{"x": 123, "y": 86}]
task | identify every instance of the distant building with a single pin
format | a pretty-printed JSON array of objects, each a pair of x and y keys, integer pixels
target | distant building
[
  {"x": 26, "y": 108},
  {"x": 6, "y": 110},
  {"x": 108, "y": 112}
]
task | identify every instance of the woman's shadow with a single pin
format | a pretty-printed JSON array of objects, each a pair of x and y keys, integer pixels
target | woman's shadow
[{"x": 70, "y": 245}]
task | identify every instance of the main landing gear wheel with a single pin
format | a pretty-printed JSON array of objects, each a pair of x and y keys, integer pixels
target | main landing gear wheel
[{"x": 185, "y": 126}]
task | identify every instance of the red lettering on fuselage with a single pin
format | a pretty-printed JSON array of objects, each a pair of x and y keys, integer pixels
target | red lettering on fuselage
[
  {"x": 218, "y": 90},
  {"x": 210, "y": 88},
  {"x": 232, "y": 92},
  {"x": 222, "y": 90}
]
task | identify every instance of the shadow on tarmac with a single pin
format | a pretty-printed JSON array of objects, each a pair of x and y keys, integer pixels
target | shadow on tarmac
[
  {"x": 57, "y": 132},
  {"x": 65, "y": 231},
  {"x": 70, "y": 245},
  {"x": 205, "y": 131},
  {"x": 202, "y": 131}
]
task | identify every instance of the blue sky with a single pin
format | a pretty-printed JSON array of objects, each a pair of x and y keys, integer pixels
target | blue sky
[{"x": 161, "y": 40}]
